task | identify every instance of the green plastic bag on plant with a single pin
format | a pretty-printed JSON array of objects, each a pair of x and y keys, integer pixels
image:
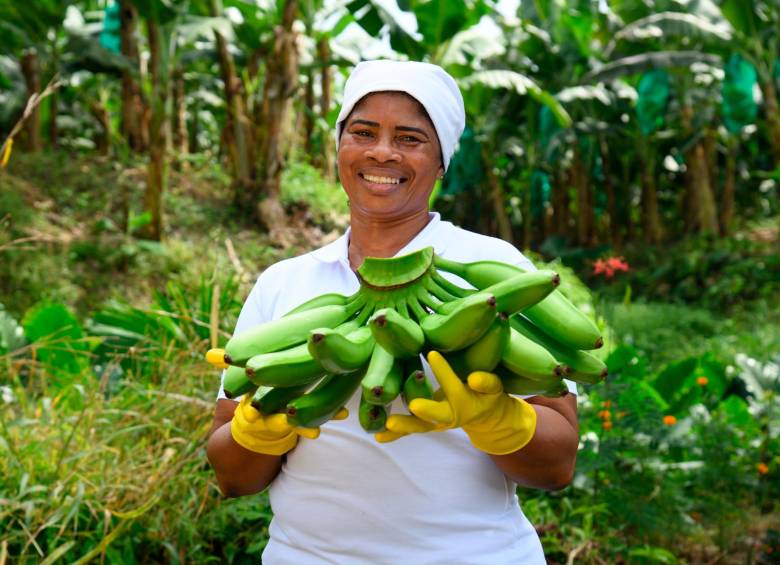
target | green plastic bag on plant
[
  {"x": 653, "y": 94},
  {"x": 738, "y": 106}
]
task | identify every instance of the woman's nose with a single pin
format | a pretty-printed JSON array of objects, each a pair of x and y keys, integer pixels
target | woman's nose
[{"x": 383, "y": 151}]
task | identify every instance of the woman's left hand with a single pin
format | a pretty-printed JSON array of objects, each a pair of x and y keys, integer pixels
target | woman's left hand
[{"x": 495, "y": 422}]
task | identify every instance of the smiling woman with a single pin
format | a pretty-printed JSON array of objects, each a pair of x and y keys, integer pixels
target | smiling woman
[
  {"x": 389, "y": 158},
  {"x": 340, "y": 495}
]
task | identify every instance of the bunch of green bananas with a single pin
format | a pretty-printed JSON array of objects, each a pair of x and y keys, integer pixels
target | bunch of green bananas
[{"x": 514, "y": 323}]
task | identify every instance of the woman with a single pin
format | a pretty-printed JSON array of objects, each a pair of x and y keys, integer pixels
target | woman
[{"x": 338, "y": 494}]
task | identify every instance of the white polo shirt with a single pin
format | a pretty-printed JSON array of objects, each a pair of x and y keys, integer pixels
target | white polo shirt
[{"x": 428, "y": 498}]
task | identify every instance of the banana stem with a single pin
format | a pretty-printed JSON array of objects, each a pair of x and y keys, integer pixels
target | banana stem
[
  {"x": 439, "y": 292},
  {"x": 365, "y": 313},
  {"x": 450, "y": 287},
  {"x": 401, "y": 307},
  {"x": 355, "y": 305},
  {"x": 430, "y": 302},
  {"x": 418, "y": 311},
  {"x": 450, "y": 266}
]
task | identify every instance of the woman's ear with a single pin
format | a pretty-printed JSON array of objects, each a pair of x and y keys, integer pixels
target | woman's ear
[{"x": 440, "y": 174}]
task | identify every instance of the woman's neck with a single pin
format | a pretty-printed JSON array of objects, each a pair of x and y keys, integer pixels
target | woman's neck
[{"x": 372, "y": 237}]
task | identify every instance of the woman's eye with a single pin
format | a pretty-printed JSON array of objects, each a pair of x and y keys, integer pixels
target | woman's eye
[
  {"x": 409, "y": 139},
  {"x": 362, "y": 133}
]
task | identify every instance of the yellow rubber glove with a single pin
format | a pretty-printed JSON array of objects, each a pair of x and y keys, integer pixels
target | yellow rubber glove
[
  {"x": 269, "y": 434},
  {"x": 495, "y": 422}
]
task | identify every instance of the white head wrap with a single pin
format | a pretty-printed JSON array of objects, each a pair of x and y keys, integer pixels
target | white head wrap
[{"x": 429, "y": 84}]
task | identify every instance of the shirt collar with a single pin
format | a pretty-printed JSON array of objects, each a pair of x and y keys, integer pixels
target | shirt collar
[{"x": 338, "y": 251}]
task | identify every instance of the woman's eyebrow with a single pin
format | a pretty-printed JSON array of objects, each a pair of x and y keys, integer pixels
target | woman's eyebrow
[{"x": 365, "y": 123}]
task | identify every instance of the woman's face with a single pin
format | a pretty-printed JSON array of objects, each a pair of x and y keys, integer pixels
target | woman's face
[{"x": 389, "y": 156}]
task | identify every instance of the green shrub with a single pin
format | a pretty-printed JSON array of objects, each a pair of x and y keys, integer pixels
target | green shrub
[{"x": 303, "y": 185}]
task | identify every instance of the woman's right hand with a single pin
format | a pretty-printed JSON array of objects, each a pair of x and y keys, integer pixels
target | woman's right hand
[{"x": 268, "y": 434}]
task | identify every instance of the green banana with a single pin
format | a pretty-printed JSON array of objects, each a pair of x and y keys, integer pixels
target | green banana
[
  {"x": 518, "y": 292},
  {"x": 516, "y": 384},
  {"x": 320, "y": 404},
  {"x": 291, "y": 367},
  {"x": 556, "y": 315},
  {"x": 236, "y": 382},
  {"x": 284, "y": 332},
  {"x": 417, "y": 385},
  {"x": 372, "y": 417},
  {"x": 463, "y": 326},
  {"x": 268, "y": 399},
  {"x": 339, "y": 353},
  {"x": 579, "y": 366},
  {"x": 382, "y": 381},
  {"x": 528, "y": 359},
  {"x": 402, "y": 337},
  {"x": 486, "y": 352},
  {"x": 331, "y": 299},
  {"x": 523, "y": 290}
]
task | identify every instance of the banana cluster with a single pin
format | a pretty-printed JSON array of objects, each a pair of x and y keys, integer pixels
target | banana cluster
[{"x": 310, "y": 362}]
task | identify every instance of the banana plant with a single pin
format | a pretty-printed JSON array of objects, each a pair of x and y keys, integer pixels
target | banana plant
[
  {"x": 169, "y": 25},
  {"x": 32, "y": 33},
  {"x": 649, "y": 43},
  {"x": 756, "y": 37}
]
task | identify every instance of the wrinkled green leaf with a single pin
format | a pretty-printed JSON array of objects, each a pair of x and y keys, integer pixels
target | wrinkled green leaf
[{"x": 58, "y": 337}]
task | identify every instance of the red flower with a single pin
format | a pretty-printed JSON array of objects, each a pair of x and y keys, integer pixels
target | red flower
[{"x": 609, "y": 266}]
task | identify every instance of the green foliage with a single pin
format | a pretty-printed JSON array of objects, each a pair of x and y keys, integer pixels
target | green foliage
[
  {"x": 703, "y": 272},
  {"x": 124, "y": 476},
  {"x": 303, "y": 186},
  {"x": 57, "y": 338}
]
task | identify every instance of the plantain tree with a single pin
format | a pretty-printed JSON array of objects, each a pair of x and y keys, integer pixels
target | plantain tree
[
  {"x": 756, "y": 37},
  {"x": 555, "y": 44},
  {"x": 681, "y": 42},
  {"x": 170, "y": 27},
  {"x": 32, "y": 33}
]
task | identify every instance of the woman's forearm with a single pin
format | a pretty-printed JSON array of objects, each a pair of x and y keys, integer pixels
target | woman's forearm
[
  {"x": 547, "y": 461},
  {"x": 239, "y": 471}
]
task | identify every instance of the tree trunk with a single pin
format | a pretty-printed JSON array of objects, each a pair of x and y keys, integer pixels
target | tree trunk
[
  {"x": 240, "y": 140},
  {"x": 308, "y": 113},
  {"x": 584, "y": 199},
  {"x": 103, "y": 134},
  {"x": 496, "y": 197},
  {"x": 194, "y": 129},
  {"x": 651, "y": 222},
  {"x": 327, "y": 155},
  {"x": 609, "y": 188},
  {"x": 700, "y": 201},
  {"x": 54, "y": 102},
  {"x": 729, "y": 185},
  {"x": 528, "y": 220},
  {"x": 133, "y": 106},
  {"x": 560, "y": 203},
  {"x": 32, "y": 79},
  {"x": 179, "y": 116},
  {"x": 772, "y": 117},
  {"x": 157, "y": 170},
  {"x": 281, "y": 83}
]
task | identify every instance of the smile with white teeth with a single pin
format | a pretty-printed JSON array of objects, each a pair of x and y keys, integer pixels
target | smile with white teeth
[{"x": 381, "y": 180}]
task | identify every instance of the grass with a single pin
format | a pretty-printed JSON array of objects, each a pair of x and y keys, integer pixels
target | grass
[
  {"x": 82, "y": 464},
  {"x": 669, "y": 332}
]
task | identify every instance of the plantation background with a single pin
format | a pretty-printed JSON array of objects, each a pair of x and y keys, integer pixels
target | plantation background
[{"x": 158, "y": 155}]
